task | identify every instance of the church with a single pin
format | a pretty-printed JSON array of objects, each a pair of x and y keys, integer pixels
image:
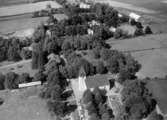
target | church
[{"x": 106, "y": 82}]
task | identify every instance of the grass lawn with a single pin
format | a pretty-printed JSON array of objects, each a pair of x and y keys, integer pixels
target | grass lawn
[
  {"x": 150, "y": 51},
  {"x": 23, "y": 104}
]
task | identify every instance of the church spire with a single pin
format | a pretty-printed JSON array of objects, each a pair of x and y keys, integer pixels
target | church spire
[{"x": 82, "y": 72}]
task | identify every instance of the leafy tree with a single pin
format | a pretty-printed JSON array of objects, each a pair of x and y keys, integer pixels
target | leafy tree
[
  {"x": 87, "y": 97},
  {"x": 100, "y": 68},
  {"x": 106, "y": 116},
  {"x": 56, "y": 107},
  {"x": 2, "y": 80},
  {"x": 105, "y": 54},
  {"x": 134, "y": 96},
  {"x": 128, "y": 70},
  {"x": 133, "y": 22},
  {"x": 94, "y": 116},
  {"x": 34, "y": 62},
  {"x": 138, "y": 32},
  {"x": 102, "y": 108},
  {"x": 148, "y": 30},
  {"x": 155, "y": 116},
  {"x": 52, "y": 47},
  {"x": 113, "y": 64},
  {"x": 53, "y": 78},
  {"x": 11, "y": 80},
  {"x": 91, "y": 108},
  {"x": 118, "y": 33},
  {"x": 96, "y": 53},
  {"x": 13, "y": 54},
  {"x": 66, "y": 45},
  {"x": 24, "y": 78},
  {"x": 139, "y": 25},
  {"x": 26, "y": 54},
  {"x": 39, "y": 76}
]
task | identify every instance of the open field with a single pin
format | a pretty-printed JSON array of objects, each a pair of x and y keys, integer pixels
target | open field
[
  {"x": 150, "y": 51},
  {"x": 24, "y": 22},
  {"x": 12, "y": 2},
  {"x": 23, "y": 104},
  {"x": 19, "y": 67},
  {"x": 26, "y": 8},
  {"x": 127, "y": 6}
]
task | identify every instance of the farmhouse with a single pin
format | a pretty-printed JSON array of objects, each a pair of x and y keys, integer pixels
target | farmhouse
[
  {"x": 135, "y": 16},
  {"x": 84, "y": 5}
]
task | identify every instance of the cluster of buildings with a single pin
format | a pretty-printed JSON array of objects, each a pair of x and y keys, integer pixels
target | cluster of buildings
[{"x": 107, "y": 82}]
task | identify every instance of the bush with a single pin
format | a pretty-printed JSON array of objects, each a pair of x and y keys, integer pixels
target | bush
[
  {"x": 100, "y": 68},
  {"x": 2, "y": 80},
  {"x": 11, "y": 80},
  {"x": 118, "y": 34},
  {"x": 26, "y": 54},
  {"x": 148, "y": 30},
  {"x": 133, "y": 22},
  {"x": 138, "y": 32},
  {"x": 24, "y": 78}
]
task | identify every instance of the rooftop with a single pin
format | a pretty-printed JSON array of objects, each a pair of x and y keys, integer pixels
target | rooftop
[{"x": 98, "y": 80}]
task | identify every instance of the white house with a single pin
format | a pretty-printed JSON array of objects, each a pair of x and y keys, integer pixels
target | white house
[
  {"x": 112, "y": 29},
  {"x": 134, "y": 16},
  {"x": 84, "y": 5},
  {"x": 90, "y": 32}
]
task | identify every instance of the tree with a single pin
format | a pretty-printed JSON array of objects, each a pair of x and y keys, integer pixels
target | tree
[
  {"x": 94, "y": 116},
  {"x": 137, "y": 100},
  {"x": 128, "y": 70},
  {"x": 96, "y": 53},
  {"x": 2, "y": 80},
  {"x": 155, "y": 116},
  {"x": 51, "y": 66},
  {"x": 13, "y": 54},
  {"x": 105, "y": 53},
  {"x": 66, "y": 45},
  {"x": 139, "y": 25},
  {"x": 91, "y": 108},
  {"x": 138, "y": 32},
  {"x": 87, "y": 97},
  {"x": 56, "y": 107},
  {"x": 102, "y": 109},
  {"x": 106, "y": 116},
  {"x": 53, "y": 78},
  {"x": 26, "y": 54},
  {"x": 39, "y": 76},
  {"x": 132, "y": 22},
  {"x": 148, "y": 30},
  {"x": 118, "y": 33},
  {"x": 52, "y": 47},
  {"x": 11, "y": 80},
  {"x": 100, "y": 68},
  {"x": 24, "y": 78},
  {"x": 113, "y": 64}
]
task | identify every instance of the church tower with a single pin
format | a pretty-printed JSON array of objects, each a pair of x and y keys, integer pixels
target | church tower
[{"x": 82, "y": 78}]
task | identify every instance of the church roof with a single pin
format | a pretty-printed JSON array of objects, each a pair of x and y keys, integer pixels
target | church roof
[{"x": 98, "y": 80}]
